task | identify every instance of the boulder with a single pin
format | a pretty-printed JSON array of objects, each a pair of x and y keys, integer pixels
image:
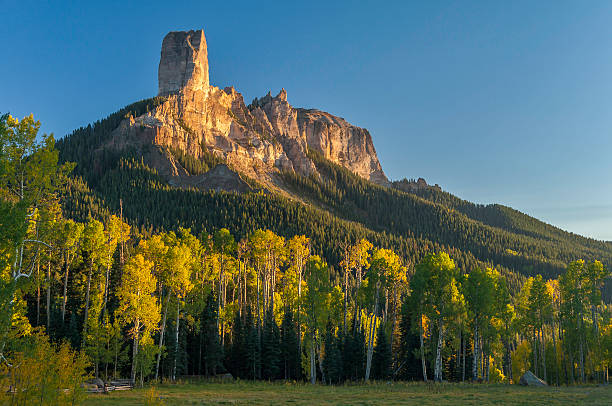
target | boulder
[
  {"x": 529, "y": 379},
  {"x": 226, "y": 377}
]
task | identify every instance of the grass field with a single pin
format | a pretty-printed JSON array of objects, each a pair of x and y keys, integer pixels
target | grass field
[{"x": 261, "y": 393}]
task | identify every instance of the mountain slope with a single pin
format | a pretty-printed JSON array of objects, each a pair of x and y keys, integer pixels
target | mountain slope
[
  {"x": 260, "y": 140},
  {"x": 298, "y": 171}
]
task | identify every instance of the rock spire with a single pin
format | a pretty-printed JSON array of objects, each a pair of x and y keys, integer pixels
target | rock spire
[{"x": 183, "y": 63}]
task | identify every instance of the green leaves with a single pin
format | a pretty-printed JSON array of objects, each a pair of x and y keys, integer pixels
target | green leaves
[{"x": 434, "y": 287}]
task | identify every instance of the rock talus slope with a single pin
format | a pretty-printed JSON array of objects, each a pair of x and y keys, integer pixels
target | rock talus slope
[{"x": 261, "y": 139}]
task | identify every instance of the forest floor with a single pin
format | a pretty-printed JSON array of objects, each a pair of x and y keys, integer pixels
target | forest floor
[{"x": 263, "y": 393}]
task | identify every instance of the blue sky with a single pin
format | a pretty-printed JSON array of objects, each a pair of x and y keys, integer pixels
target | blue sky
[{"x": 496, "y": 101}]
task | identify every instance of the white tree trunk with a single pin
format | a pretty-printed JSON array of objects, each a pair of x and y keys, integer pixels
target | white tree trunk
[
  {"x": 161, "y": 338},
  {"x": 372, "y": 330},
  {"x": 135, "y": 350},
  {"x": 176, "y": 348},
  {"x": 476, "y": 352},
  {"x": 313, "y": 367},
  {"x": 438, "y": 367},
  {"x": 423, "y": 363}
]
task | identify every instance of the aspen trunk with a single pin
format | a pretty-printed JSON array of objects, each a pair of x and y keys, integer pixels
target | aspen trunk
[
  {"x": 423, "y": 363},
  {"x": 87, "y": 304},
  {"x": 65, "y": 295},
  {"x": 371, "y": 340},
  {"x": 345, "y": 299},
  {"x": 48, "y": 296},
  {"x": 299, "y": 325},
  {"x": 176, "y": 347},
  {"x": 135, "y": 351},
  {"x": 161, "y": 338},
  {"x": 313, "y": 367},
  {"x": 535, "y": 353},
  {"x": 38, "y": 293},
  {"x": 438, "y": 367},
  {"x": 554, "y": 337},
  {"x": 543, "y": 354},
  {"x": 372, "y": 330},
  {"x": 475, "y": 359},
  {"x": 463, "y": 363}
]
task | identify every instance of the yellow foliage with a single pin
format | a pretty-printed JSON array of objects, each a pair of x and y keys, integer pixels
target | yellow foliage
[
  {"x": 520, "y": 360},
  {"x": 495, "y": 375},
  {"x": 153, "y": 398},
  {"x": 41, "y": 373}
]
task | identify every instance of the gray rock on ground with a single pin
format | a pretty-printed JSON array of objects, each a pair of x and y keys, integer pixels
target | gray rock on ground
[{"x": 529, "y": 379}]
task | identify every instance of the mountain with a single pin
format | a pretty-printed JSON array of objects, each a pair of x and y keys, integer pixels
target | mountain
[
  {"x": 259, "y": 140},
  {"x": 197, "y": 156}
]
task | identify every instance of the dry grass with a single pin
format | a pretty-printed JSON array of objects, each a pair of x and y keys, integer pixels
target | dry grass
[{"x": 261, "y": 393}]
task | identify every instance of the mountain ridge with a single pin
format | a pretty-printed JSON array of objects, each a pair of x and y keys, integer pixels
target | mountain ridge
[
  {"x": 260, "y": 140},
  {"x": 152, "y": 154}
]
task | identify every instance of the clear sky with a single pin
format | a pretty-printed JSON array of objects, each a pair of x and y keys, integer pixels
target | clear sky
[{"x": 497, "y": 101}]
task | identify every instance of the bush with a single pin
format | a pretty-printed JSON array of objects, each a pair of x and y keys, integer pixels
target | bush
[
  {"x": 44, "y": 373},
  {"x": 153, "y": 398}
]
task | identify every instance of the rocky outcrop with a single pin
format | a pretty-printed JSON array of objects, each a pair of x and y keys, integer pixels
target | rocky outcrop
[
  {"x": 413, "y": 186},
  {"x": 183, "y": 62},
  {"x": 218, "y": 178},
  {"x": 260, "y": 140}
]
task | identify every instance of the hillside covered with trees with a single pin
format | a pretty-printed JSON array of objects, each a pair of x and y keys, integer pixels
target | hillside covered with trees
[{"x": 108, "y": 271}]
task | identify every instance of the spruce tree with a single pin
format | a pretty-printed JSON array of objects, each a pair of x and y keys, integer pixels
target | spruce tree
[
  {"x": 237, "y": 351},
  {"x": 409, "y": 364},
  {"x": 382, "y": 358},
  {"x": 332, "y": 361},
  {"x": 353, "y": 353},
  {"x": 290, "y": 348},
  {"x": 270, "y": 348},
  {"x": 213, "y": 351},
  {"x": 253, "y": 348}
]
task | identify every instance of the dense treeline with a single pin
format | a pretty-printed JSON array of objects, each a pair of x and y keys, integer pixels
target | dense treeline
[
  {"x": 498, "y": 236},
  {"x": 507, "y": 218},
  {"x": 153, "y": 206},
  {"x": 406, "y": 214},
  {"x": 162, "y": 288}
]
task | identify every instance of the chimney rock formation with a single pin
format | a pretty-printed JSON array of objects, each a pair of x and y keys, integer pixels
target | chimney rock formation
[
  {"x": 183, "y": 62},
  {"x": 260, "y": 140}
]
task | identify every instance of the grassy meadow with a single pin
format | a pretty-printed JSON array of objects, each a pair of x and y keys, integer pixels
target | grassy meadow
[{"x": 262, "y": 393}]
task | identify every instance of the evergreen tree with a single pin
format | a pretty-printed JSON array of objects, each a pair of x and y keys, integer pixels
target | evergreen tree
[
  {"x": 237, "y": 351},
  {"x": 382, "y": 358},
  {"x": 270, "y": 348},
  {"x": 290, "y": 348},
  {"x": 253, "y": 347},
  {"x": 408, "y": 362},
  {"x": 212, "y": 349},
  {"x": 353, "y": 353},
  {"x": 332, "y": 362}
]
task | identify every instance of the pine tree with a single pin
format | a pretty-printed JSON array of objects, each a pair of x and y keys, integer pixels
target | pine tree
[
  {"x": 353, "y": 353},
  {"x": 237, "y": 351},
  {"x": 382, "y": 357},
  {"x": 270, "y": 348},
  {"x": 290, "y": 348},
  {"x": 408, "y": 363},
  {"x": 332, "y": 362},
  {"x": 253, "y": 347},
  {"x": 213, "y": 351}
]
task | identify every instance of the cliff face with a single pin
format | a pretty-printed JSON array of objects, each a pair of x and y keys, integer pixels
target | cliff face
[{"x": 267, "y": 136}]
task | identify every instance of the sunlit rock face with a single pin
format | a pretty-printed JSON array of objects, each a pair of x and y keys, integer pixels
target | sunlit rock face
[
  {"x": 259, "y": 140},
  {"x": 183, "y": 62}
]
